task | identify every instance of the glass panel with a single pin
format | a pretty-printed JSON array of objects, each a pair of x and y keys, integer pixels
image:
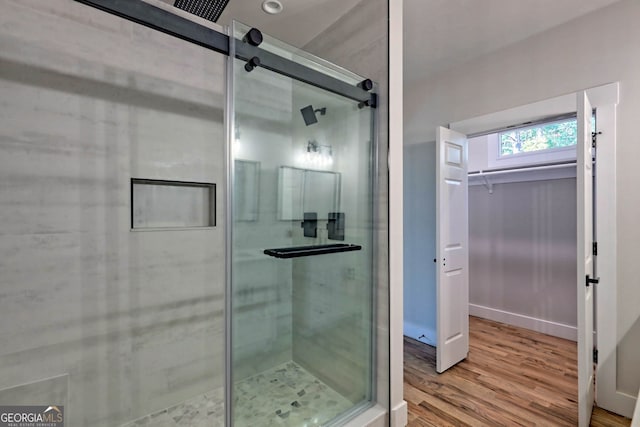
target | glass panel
[
  {"x": 247, "y": 181},
  {"x": 301, "y": 327}
]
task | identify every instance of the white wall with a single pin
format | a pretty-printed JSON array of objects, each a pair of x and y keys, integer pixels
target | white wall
[
  {"x": 522, "y": 254},
  {"x": 601, "y": 47},
  {"x": 420, "y": 242}
]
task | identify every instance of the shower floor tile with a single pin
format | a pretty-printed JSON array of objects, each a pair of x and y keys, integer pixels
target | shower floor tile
[
  {"x": 206, "y": 410},
  {"x": 286, "y": 395}
]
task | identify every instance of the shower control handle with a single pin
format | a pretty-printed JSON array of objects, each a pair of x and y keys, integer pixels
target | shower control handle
[{"x": 310, "y": 224}]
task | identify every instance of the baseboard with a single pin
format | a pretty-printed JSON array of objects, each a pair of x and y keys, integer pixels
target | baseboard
[
  {"x": 635, "y": 418},
  {"x": 420, "y": 333},
  {"x": 538, "y": 325},
  {"x": 616, "y": 401},
  {"x": 400, "y": 415}
]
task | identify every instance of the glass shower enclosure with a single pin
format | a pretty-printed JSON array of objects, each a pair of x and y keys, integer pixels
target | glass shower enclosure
[{"x": 300, "y": 313}]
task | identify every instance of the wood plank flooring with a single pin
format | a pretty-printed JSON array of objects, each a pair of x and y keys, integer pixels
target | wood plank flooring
[{"x": 512, "y": 377}]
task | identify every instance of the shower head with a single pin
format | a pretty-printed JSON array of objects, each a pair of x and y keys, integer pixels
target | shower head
[{"x": 309, "y": 114}]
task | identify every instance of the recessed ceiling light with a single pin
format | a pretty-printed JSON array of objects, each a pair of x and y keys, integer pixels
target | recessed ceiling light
[{"x": 272, "y": 7}]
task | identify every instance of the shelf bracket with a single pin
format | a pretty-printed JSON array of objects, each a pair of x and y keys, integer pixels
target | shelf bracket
[{"x": 487, "y": 184}]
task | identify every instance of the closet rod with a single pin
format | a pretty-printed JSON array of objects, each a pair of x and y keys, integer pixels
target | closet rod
[{"x": 523, "y": 169}]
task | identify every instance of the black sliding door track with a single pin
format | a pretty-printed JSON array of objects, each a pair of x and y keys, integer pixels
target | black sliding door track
[
  {"x": 164, "y": 21},
  {"x": 159, "y": 19}
]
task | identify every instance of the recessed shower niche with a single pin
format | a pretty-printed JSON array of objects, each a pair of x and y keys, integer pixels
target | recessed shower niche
[{"x": 158, "y": 204}]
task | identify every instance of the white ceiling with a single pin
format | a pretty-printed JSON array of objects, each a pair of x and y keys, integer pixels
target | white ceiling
[
  {"x": 299, "y": 22},
  {"x": 440, "y": 34}
]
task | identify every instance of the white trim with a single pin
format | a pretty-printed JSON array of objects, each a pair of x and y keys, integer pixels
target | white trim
[
  {"x": 607, "y": 94},
  {"x": 396, "y": 260},
  {"x": 635, "y": 421},
  {"x": 372, "y": 417},
  {"x": 400, "y": 415},
  {"x": 539, "y": 325},
  {"x": 524, "y": 155},
  {"x": 607, "y": 395}
]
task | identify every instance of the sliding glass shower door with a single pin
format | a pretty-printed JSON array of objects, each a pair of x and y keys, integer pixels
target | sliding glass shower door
[{"x": 301, "y": 242}]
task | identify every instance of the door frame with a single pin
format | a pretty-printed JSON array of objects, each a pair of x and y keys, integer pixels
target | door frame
[{"x": 604, "y": 100}]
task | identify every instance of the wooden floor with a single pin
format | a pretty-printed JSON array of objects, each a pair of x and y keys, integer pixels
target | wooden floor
[{"x": 512, "y": 377}]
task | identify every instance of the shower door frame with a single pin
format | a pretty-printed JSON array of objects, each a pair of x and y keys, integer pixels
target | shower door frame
[{"x": 159, "y": 19}]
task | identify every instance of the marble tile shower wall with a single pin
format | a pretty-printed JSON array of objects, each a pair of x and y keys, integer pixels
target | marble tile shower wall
[{"x": 134, "y": 320}]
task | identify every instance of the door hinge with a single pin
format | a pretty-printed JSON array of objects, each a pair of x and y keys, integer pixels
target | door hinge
[
  {"x": 594, "y": 138},
  {"x": 590, "y": 281},
  {"x": 595, "y": 355},
  {"x": 595, "y": 248}
]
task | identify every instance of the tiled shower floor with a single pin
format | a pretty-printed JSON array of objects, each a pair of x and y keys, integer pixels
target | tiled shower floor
[
  {"x": 206, "y": 410},
  {"x": 286, "y": 395}
]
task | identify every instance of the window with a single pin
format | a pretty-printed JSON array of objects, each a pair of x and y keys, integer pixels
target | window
[{"x": 546, "y": 136}]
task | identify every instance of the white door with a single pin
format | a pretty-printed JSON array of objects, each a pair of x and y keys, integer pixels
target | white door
[
  {"x": 584, "y": 193},
  {"x": 452, "y": 253}
]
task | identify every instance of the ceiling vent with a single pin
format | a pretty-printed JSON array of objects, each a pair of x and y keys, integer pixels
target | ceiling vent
[{"x": 207, "y": 9}]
